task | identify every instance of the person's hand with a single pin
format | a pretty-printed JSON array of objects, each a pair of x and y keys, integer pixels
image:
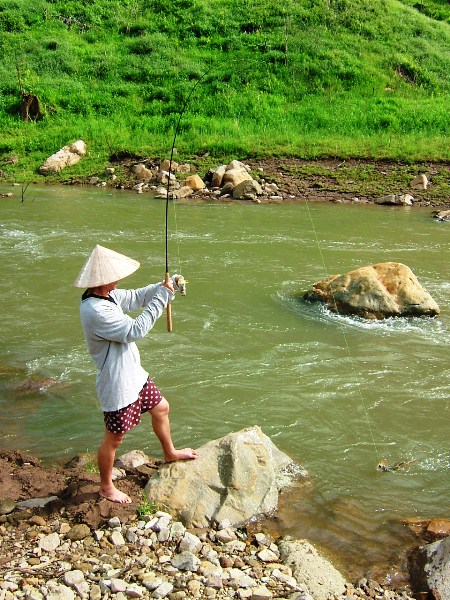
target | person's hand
[{"x": 169, "y": 284}]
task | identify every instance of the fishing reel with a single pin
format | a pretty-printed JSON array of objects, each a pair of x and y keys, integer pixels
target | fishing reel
[{"x": 179, "y": 283}]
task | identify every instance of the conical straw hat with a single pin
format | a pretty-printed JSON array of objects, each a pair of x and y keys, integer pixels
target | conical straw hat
[{"x": 104, "y": 266}]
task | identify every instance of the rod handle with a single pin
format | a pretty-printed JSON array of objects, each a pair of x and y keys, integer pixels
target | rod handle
[{"x": 169, "y": 308}]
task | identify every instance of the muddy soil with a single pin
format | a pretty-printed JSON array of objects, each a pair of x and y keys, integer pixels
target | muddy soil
[{"x": 75, "y": 484}]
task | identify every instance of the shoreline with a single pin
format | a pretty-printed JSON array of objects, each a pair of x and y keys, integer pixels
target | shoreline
[
  {"x": 72, "y": 497},
  {"x": 346, "y": 181}
]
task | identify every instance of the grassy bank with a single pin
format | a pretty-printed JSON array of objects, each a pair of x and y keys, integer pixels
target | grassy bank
[{"x": 345, "y": 78}]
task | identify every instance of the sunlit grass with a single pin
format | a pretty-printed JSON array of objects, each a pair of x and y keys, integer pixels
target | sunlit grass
[{"x": 306, "y": 79}]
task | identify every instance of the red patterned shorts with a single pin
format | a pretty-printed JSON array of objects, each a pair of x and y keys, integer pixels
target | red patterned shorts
[{"x": 121, "y": 421}]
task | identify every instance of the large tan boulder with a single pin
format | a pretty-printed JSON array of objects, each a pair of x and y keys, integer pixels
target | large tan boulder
[
  {"x": 235, "y": 176},
  {"x": 65, "y": 157},
  {"x": 234, "y": 479},
  {"x": 195, "y": 182},
  {"x": 142, "y": 172},
  {"x": 378, "y": 291}
]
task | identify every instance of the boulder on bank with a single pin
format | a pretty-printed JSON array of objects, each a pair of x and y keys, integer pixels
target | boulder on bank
[
  {"x": 396, "y": 200},
  {"x": 378, "y": 291},
  {"x": 234, "y": 479},
  {"x": 308, "y": 566},
  {"x": 65, "y": 157},
  {"x": 247, "y": 189}
]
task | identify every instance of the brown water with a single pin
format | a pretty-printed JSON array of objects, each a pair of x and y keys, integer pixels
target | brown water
[{"x": 337, "y": 394}]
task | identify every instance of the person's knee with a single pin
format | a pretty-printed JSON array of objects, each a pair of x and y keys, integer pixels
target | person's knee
[
  {"x": 113, "y": 439},
  {"x": 161, "y": 409}
]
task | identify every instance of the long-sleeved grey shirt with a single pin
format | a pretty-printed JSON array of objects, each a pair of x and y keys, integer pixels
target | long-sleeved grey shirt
[{"x": 110, "y": 337}]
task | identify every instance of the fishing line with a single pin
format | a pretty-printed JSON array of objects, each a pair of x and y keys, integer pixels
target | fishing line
[
  {"x": 356, "y": 373},
  {"x": 183, "y": 108}
]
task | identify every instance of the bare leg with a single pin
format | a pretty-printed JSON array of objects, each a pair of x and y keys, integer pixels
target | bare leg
[
  {"x": 161, "y": 427},
  {"x": 106, "y": 456}
]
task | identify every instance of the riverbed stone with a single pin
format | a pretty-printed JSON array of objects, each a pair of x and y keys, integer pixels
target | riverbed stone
[
  {"x": 247, "y": 188},
  {"x": 162, "y": 590},
  {"x": 190, "y": 542},
  {"x": 61, "y": 592},
  {"x": 132, "y": 460},
  {"x": 322, "y": 579},
  {"x": 7, "y": 506},
  {"x": 217, "y": 176},
  {"x": 186, "y": 561},
  {"x": 50, "y": 542},
  {"x": 78, "y": 532}
]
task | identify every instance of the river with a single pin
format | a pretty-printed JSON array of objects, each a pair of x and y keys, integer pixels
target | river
[{"x": 336, "y": 394}]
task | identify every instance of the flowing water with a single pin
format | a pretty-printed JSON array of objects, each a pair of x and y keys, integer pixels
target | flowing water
[{"x": 337, "y": 394}]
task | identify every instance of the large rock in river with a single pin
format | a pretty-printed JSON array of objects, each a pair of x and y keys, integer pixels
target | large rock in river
[
  {"x": 234, "y": 478},
  {"x": 375, "y": 292}
]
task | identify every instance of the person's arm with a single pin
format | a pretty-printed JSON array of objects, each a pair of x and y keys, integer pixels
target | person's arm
[
  {"x": 130, "y": 300},
  {"x": 112, "y": 324}
]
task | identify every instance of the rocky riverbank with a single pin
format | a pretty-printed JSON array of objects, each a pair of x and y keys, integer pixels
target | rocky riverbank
[
  {"x": 288, "y": 179},
  {"x": 60, "y": 540},
  {"x": 281, "y": 180}
]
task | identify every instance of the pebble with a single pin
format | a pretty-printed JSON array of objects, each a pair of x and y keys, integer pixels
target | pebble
[{"x": 57, "y": 560}]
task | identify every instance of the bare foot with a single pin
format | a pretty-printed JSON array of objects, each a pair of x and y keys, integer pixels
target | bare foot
[
  {"x": 184, "y": 454},
  {"x": 114, "y": 495}
]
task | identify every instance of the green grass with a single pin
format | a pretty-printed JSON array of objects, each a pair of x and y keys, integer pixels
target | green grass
[
  {"x": 347, "y": 78},
  {"x": 146, "y": 507}
]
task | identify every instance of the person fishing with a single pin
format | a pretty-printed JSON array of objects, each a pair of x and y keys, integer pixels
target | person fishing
[{"x": 125, "y": 390}]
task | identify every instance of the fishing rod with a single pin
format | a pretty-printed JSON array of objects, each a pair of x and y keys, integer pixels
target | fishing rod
[{"x": 183, "y": 108}]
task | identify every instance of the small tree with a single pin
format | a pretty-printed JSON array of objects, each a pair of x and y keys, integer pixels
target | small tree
[{"x": 30, "y": 106}]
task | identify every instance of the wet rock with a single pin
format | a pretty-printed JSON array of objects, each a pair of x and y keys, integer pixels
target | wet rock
[
  {"x": 36, "y": 502},
  {"x": 7, "y": 506},
  {"x": 438, "y": 528},
  {"x": 396, "y": 200},
  {"x": 442, "y": 215},
  {"x": 436, "y": 557},
  {"x": 375, "y": 292}
]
